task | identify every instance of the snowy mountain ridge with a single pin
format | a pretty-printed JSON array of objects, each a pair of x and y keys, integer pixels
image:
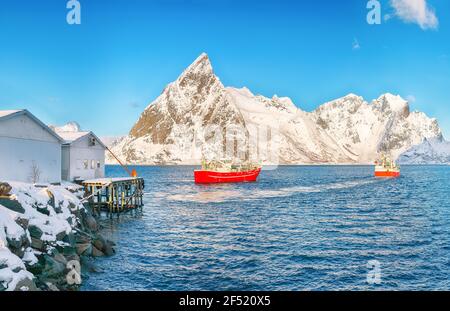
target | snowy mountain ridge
[
  {"x": 430, "y": 151},
  {"x": 175, "y": 128}
]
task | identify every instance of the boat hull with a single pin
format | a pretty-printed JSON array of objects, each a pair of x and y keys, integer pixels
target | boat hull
[
  {"x": 212, "y": 177},
  {"x": 393, "y": 174}
]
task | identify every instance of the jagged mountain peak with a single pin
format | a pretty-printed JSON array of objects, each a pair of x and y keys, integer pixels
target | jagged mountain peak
[
  {"x": 195, "y": 100},
  {"x": 390, "y": 103},
  {"x": 200, "y": 66},
  {"x": 350, "y": 103},
  {"x": 391, "y": 97},
  {"x": 196, "y": 83},
  {"x": 351, "y": 96}
]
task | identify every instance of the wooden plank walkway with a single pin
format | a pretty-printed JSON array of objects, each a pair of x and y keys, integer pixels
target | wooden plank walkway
[{"x": 114, "y": 195}]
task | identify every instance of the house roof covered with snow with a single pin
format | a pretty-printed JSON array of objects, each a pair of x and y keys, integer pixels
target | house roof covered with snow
[
  {"x": 7, "y": 114},
  {"x": 70, "y": 137}
]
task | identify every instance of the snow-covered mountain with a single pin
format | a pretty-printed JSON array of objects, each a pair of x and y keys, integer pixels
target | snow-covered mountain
[
  {"x": 72, "y": 127},
  {"x": 431, "y": 151},
  {"x": 111, "y": 141},
  {"x": 364, "y": 130},
  {"x": 181, "y": 126}
]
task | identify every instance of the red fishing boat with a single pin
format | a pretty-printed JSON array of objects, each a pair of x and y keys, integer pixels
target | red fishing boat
[
  {"x": 222, "y": 172},
  {"x": 386, "y": 168}
]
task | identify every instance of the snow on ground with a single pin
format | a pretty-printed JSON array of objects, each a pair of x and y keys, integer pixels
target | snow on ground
[
  {"x": 31, "y": 197},
  {"x": 49, "y": 209},
  {"x": 12, "y": 268}
]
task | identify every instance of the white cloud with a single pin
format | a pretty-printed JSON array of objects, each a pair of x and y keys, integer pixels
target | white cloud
[
  {"x": 355, "y": 44},
  {"x": 416, "y": 11}
]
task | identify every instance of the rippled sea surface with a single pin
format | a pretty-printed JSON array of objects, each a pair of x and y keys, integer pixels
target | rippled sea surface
[{"x": 297, "y": 228}]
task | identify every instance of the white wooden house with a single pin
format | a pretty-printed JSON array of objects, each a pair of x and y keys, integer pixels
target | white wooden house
[
  {"x": 29, "y": 150},
  {"x": 83, "y": 156}
]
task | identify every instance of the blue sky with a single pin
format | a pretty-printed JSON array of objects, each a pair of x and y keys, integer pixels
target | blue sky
[{"x": 104, "y": 72}]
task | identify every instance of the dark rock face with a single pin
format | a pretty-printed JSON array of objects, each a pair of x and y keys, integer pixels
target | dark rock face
[
  {"x": 22, "y": 222},
  {"x": 35, "y": 232},
  {"x": 91, "y": 223},
  {"x": 96, "y": 252},
  {"x": 52, "y": 267},
  {"x": 37, "y": 244},
  {"x": 43, "y": 210},
  {"x": 84, "y": 249},
  {"x": 60, "y": 236},
  {"x": 12, "y": 205}
]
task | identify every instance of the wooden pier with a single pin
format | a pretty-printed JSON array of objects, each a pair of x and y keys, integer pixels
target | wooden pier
[{"x": 114, "y": 195}]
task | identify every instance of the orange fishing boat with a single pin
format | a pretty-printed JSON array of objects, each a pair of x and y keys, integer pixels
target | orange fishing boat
[{"x": 386, "y": 168}]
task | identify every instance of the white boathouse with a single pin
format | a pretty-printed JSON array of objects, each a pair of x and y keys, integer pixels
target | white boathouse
[
  {"x": 29, "y": 150},
  {"x": 83, "y": 156}
]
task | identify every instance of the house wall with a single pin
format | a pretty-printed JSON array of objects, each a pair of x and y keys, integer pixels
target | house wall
[
  {"x": 80, "y": 151},
  {"x": 24, "y": 143}
]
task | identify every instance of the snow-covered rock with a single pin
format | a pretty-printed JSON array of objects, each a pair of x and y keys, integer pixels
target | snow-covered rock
[
  {"x": 12, "y": 268},
  {"x": 51, "y": 210},
  {"x": 430, "y": 151},
  {"x": 174, "y": 128}
]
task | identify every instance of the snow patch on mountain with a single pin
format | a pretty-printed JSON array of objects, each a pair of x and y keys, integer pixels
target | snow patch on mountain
[{"x": 111, "y": 141}]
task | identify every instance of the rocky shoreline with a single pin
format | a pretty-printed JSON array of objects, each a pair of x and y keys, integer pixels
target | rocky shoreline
[{"x": 48, "y": 237}]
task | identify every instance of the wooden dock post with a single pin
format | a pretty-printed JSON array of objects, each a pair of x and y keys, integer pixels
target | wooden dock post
[{"x": 115, "y": 195}]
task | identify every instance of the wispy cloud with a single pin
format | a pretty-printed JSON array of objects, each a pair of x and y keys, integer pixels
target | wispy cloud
[
  {"x": 355, "y": 44},
  {"x": 415, "y": 11}
]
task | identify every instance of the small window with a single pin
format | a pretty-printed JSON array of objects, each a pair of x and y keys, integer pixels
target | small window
[
  {"x": 86, "y": 164},
  {"x": 92, "y": 164},
  {"x": 98, "y": 164}
]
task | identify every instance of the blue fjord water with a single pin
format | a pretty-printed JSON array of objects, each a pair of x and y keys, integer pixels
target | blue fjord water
[{"x": 297, "y": 228}]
